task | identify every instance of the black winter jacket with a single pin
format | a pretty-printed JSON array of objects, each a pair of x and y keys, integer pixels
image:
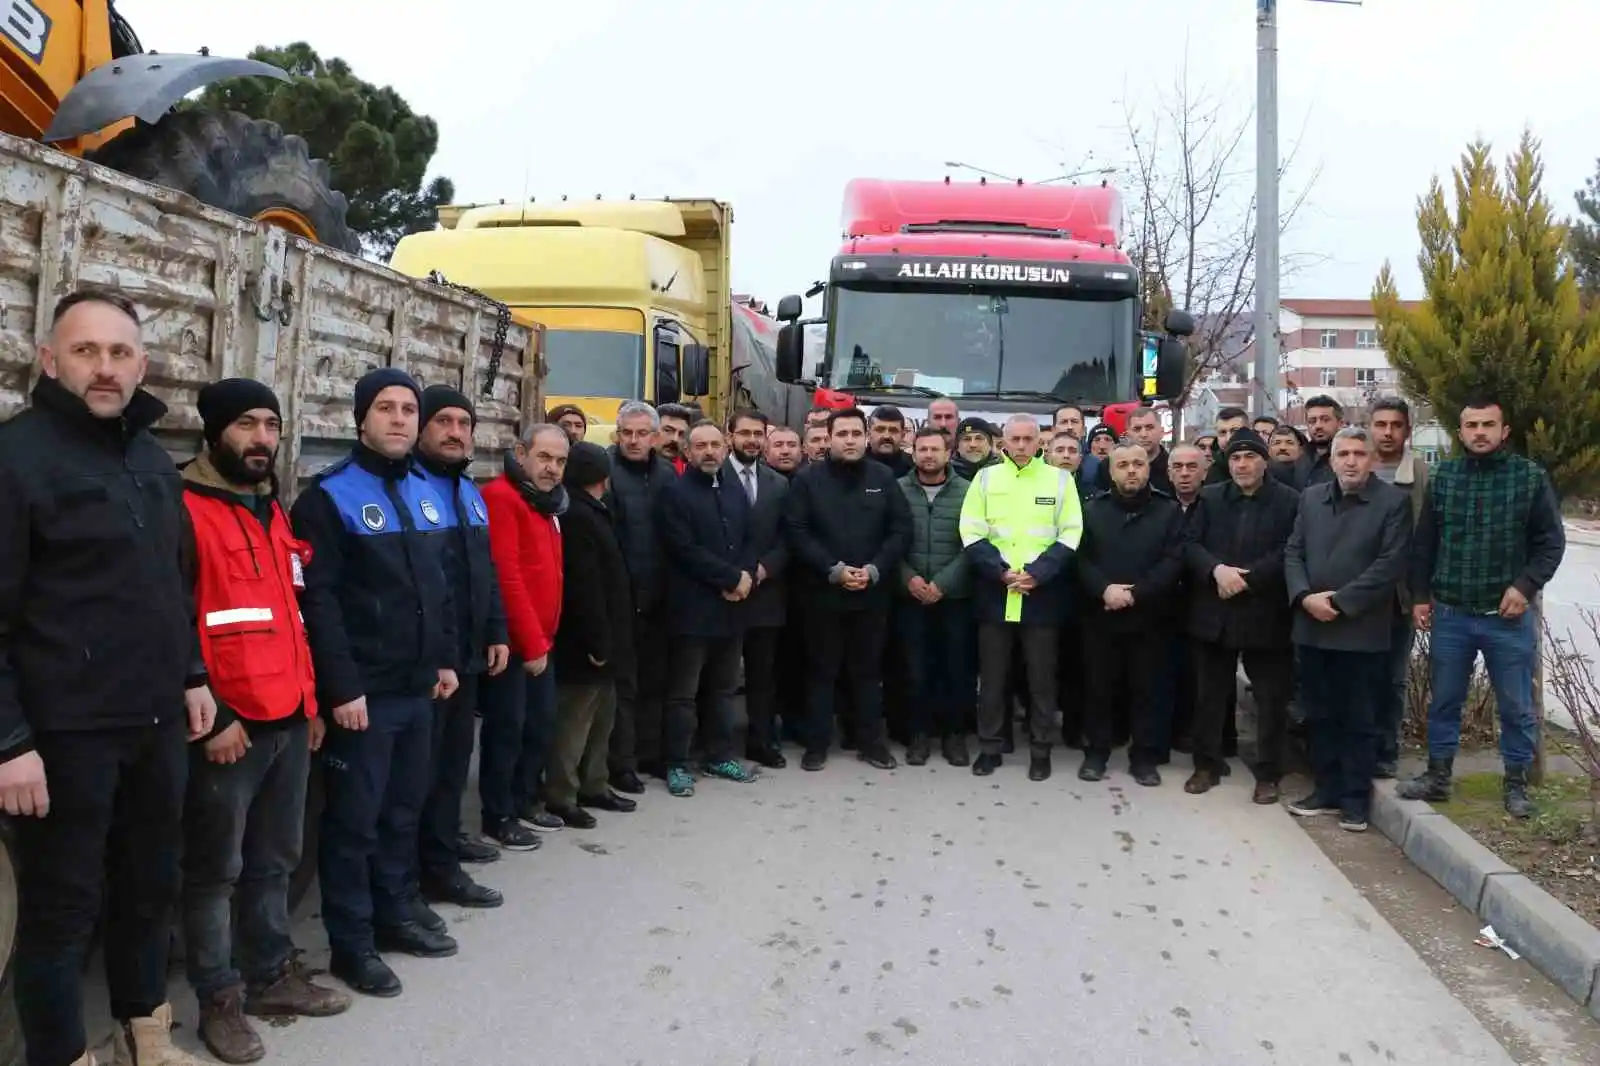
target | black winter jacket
[
  {"x": 705, "y": 525},
  {"x": 1138, "y": 542},
  {"x": 96, "y": 627},
  {"x": 480, "y": 615},
  {"x": 596, "y": 601},
  {"x": 631, "y": 503},
  {"x": 850, "y": 513},
  {"x": 1250, "y": 532},
  {"x": 380, "y": 614}
]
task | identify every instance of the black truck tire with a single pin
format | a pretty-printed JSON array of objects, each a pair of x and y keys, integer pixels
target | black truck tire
[
  {"x": 10, "y": 1027},
  {"x": 244, "y": 165}
]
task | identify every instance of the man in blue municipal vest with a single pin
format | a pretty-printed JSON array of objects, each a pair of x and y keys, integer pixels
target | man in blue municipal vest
[
  {"x": 381, "y": 619},
  {"x": 444, "y": 451}
]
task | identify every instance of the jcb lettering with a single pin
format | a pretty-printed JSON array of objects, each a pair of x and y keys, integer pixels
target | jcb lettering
[{"x": 26, "y": 26}]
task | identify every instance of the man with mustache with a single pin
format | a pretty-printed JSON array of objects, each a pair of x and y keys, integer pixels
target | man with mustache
[
  {"x": 245, "y": 811},
  {"x": 101, "y": 683},
  {"x": 444, "y": 452}
]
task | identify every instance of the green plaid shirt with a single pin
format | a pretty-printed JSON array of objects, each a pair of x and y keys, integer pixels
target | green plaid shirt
[{"x": 1481, "y": 510}]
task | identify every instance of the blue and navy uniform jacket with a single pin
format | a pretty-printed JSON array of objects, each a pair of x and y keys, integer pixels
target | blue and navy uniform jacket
[
  {"x": 480, "y": 616},
  {"x": 380, "y": 614}
]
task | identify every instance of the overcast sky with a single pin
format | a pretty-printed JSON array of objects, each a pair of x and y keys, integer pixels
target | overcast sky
[{"x": 773, "y": 105}]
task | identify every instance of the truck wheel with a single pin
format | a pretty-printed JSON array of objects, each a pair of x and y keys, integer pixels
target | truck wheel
[
  {"x": 10, "y": 1027},
  {"x": 244, "y": 165}
]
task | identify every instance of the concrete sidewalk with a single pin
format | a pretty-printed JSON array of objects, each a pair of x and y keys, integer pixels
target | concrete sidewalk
[{"x": 923, "y": 914}]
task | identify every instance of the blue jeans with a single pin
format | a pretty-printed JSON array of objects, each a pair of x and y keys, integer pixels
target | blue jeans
[
  {"x": 519, "y": 716},
  {"x": 939, "y": 645},
  {"x": 377, "y": 780},
  {"x": 1508, "y": 646},
  {"x": 1393, "y": 709}
]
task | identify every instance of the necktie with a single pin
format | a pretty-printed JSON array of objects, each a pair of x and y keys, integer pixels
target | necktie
[{"x": 750, "y": 483}]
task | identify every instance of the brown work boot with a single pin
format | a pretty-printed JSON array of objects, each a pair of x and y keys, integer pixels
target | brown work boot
[
  {"x": 294, "y": 994},
  {"x": 226, "y": 1031},
  {"x": 1266, "y": 792},
  {"x": 1200, "y": 782},
  {"x": 148, "y": 1042}
]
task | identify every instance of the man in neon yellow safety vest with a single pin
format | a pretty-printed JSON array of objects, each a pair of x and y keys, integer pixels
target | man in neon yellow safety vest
[{"x": 1020, "y": 525}]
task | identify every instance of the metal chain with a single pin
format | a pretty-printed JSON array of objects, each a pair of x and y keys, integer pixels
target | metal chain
[{"x": 502, "y": 324}]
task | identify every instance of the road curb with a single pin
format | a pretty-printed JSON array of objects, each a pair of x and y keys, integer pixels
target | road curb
[{"x": 1540, "y": 928}]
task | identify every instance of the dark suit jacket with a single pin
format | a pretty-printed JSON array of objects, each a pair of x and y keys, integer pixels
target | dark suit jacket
[
  {"x": 768, "y": 605},
  {"x": 1355, "y": 545}
]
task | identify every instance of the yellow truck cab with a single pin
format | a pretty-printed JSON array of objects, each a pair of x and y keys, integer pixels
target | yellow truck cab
[{"x": 633, "y": 294}]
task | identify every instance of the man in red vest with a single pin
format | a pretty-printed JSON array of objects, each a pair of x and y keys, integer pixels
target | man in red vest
[{"x": 245, "y": 808}]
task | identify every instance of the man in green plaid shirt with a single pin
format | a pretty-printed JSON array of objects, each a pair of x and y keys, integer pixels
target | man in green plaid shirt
[{"x": 1489, "y": 537}]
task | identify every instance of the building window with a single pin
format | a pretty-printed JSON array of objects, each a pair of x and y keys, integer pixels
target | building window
[
  {"x": 1366, "y": 338},
  {"x": 1330, "y": 338},
  {"x": 1366, "y": 376},
  {"x": 1330, "y": 377}
]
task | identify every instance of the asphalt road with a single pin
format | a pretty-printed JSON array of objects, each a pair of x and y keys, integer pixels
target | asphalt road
[{"x": 923, "y": 915}]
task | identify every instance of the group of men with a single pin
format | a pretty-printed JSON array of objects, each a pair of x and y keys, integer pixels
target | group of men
[{"x": 174, "y": 648}]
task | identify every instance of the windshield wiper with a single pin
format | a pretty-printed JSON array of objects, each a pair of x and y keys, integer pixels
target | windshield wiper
[
  {"x": 1016, "y": 394},
  {"x": 914, "y": 390}
]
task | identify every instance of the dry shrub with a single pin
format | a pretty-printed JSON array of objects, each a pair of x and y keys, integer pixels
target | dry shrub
[
  {"x": 1569, "y": 677},
  {"x": 1480, "y": 722}
]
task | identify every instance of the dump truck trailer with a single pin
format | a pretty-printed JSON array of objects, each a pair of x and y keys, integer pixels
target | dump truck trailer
[
  {"x": 223, "y": 296},
  {"x": 634, "y": 294}
]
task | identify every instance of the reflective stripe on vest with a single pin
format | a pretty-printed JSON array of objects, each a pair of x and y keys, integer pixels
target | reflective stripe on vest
[{"x": 238, "y": 616}]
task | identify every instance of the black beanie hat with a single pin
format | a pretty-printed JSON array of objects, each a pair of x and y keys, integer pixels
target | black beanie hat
[
  {"x": 974, "y": 425},
  {"x": 375, "y": 381},
  {"x": 1247, "y": 440},
  {"x": 436, "y": 398},
  {"x": 587, "y": 464},
  {"x": 222, "y": 402}
]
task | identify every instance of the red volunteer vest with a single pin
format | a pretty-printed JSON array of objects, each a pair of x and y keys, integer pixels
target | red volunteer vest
[{"x": 252, "y": 636}]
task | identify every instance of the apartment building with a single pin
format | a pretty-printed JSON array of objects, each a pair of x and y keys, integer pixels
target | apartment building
[{"x": 1330, "y": 348}]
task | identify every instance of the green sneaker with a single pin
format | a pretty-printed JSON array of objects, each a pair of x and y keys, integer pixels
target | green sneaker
[
  {"x": 732, "y": 770},
  {"x": 680, "y": 782}
]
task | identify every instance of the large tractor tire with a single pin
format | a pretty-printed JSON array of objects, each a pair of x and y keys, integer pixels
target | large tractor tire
[
  {"x": 244, "y": 165},
  {"x": 10, "y": 1027}
]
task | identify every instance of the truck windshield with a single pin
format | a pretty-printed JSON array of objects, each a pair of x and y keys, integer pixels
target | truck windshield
[
  {"x": 958, "y": 342},
  {"x": 588, "y": 362}
]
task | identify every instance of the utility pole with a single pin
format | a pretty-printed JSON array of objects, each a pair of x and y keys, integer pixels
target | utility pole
[{"x": 1266, "y": 310}]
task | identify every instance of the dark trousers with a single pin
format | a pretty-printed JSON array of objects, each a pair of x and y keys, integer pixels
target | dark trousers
[
  {"x": 761, "y": 685},
  {"x": 578, "y": 763},
  {"x": 789, "y": 656},
  {"x": 1120, "y": 672},
  {"x": 1392, "y": 710},
  {"x": 938, "y": 643},
  {"x": 1040, "y": 646},
  {"x": 713, "y": 662},
  {"x": 641, "y": 695},
  {"x": 1070, "y": 694},
  {"x": 848, "y": 645},
  {"x": 519, "y": 712},
  {"x": 1174, "y": 690},
  {"x": 1341, "y": 692},
  {"x": 377, "y": 780},
  {"x": 1271, "y": 673},
  {"x": 115, "y": 822},
  {"x": 455, "y": 723},
  {"x": 243, "y": 823}
]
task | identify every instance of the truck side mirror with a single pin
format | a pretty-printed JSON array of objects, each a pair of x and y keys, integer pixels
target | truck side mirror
[
  {"x": 1172, "y": 365},
  {"x": 1179, "y": 323},
  {"x": 696, "y": 370},
  {"x": 790, "y": 342},
  {"x": 790, "y": 308}
]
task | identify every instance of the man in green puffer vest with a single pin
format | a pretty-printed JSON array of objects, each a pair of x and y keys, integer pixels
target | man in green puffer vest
[{"x": 933, "y": 614}]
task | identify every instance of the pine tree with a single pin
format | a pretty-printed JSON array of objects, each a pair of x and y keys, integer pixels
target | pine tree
[
  {"x": 1502, "y": 315},
  {"x": 1584, "y": 238}
]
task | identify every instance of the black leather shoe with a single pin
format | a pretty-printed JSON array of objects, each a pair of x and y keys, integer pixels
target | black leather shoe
[
  {"x": 1039, "y": 768},
  {"x": 427, "y": 917},
  {"x": 772, "y": 758},
  {"x": 917, "y": 751},
  {"x": 985, "y": 764},
  {"x": 409, "y": 938},
  {"x": 475, "y": 851},
  {"x": 814, "y": 760},
  {"x": 608, "y": 802},
  {"x": 1093, "y": 768},
  {"x": 877, "y": 755},
  {"x": 367, "y": 974},
  {"x": 575, "y": 817},
  {"x": 463, "y": 891},
  {"x": 627, "y": 781},
  {"x": 1148, "y": 776}
]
